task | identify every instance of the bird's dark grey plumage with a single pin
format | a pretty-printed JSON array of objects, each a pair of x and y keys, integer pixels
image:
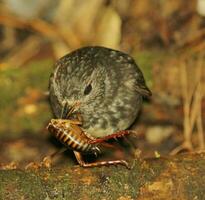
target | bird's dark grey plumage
[{"x": 106, "y": 84}]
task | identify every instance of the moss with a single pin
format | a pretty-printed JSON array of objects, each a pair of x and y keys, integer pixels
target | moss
[
  {"x": 195, "y": 184},
  {"x": 38, "y": 74},
  {"x": 14, "y": 85},
  {"x": 20, "y": 188},
  {"x": 120, "y": 182},
  {"x": 10, "y": 87},
  {"x": 195, "y": 188},
  {"x": 182, "y": 178},
  {"x": 146, "y": 60}
]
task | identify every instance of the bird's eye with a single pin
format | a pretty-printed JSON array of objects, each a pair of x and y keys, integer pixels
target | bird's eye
[{"x": 88, "y": 89}]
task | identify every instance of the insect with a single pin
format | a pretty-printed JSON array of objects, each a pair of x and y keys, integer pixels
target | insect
[{"x": 71, "y": 135}]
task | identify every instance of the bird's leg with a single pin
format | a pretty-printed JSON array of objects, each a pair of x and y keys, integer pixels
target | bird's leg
[
  {"x": 115, "y": 135},
  {"x": 99, "y": 163}
]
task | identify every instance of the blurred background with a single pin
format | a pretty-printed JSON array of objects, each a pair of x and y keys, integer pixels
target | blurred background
[{"x": 165, "y": 37}]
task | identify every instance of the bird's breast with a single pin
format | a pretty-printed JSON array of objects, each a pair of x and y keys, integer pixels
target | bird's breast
[{"x": 112, "y": 118}]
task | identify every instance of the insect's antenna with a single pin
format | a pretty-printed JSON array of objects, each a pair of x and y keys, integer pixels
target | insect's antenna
[
  {"x": 62, "y": 111},
  {"x": 73, "y": 107},
  {"x": 65, "y": 106},
  {"x": 70, "y": 111}
]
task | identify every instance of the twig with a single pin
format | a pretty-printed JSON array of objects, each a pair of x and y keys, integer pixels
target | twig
[
  {"x": 199, "y": 96},
  {"x": 192, "y": 109},
  {"x": 48, "y": 30},
  {"x": 187, "y": 103}
]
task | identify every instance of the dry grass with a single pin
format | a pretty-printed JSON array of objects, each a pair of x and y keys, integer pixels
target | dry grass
[{"x": 192, "y": 95}]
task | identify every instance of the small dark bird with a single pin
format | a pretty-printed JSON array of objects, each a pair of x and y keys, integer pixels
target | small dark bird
[{"x": 103, "y": 86}]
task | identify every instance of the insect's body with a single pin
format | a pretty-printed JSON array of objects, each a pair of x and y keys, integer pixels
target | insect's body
[{"x": 71, "y": 135}]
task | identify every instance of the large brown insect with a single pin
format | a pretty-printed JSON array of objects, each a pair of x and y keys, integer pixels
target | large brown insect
[{"x": 71, "y": 135}]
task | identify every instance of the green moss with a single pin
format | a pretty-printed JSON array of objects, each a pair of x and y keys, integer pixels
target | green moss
[
  {"x": 146, "y": 61},
  {"x": 14, "y": 85},
  {"x": 114, "y": 181},
  {"x": 195, "y": 188},
  {"x": 195, "y": 184},
  {"x": 9, "y": 87},
  {"x": 59, "y": 187},
  {"x": 20, "y": 188},
  {"x": 38, "y": 74}
]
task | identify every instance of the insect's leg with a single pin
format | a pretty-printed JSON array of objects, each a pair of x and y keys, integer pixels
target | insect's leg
[
  {"x": 114, "y": 135},
  {"x": 79, "y": 117},
  {"x": 73, "y": 107},
  {"x": 100, "y": 163},
  {"x": 48, "y": 159},
  {"x": 130, "y": 142},
  {"x": 46, "y": 162},
  {"x": 108, "y": 145},
  {"x": 58, "y": 152}
]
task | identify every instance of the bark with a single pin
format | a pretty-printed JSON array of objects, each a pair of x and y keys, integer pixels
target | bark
[{"x": 179, "y": 177}]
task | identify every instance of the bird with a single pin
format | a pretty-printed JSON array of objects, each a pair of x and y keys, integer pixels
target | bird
[{"x": 105, "y": 87}]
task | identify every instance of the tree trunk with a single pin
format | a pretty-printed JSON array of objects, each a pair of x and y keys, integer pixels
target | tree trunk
[{"x": 178, "y": 177}]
